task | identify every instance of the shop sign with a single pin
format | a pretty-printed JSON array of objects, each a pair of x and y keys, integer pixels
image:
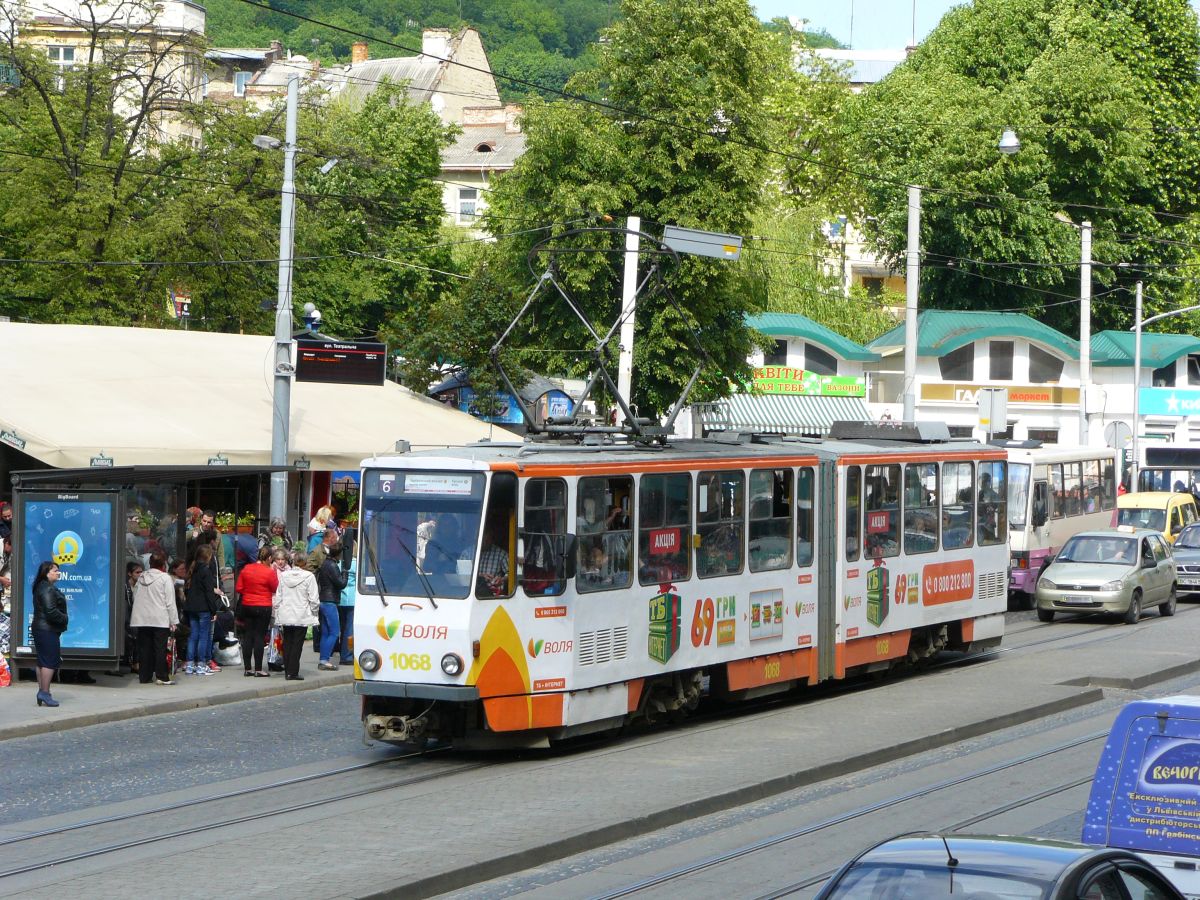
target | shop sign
[
  {"x": 102, "y": 462},
  {"x": 10, "y": 438},
  {"x": 504, "y": 408},
  {"x": 1025, "y": 394},
  {"x": 1169, "y": 402},
  {"x": 787, "y": 380}
]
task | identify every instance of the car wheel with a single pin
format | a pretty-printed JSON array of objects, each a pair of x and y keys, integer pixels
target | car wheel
[
  {"x": 1135, "y": 608},
  {"x": 1168, "y": 608},
  {"x": 1045, "y": 615}
]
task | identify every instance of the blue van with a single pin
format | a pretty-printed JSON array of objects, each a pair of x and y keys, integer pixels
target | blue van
[{"x": 1146, "y": 791}]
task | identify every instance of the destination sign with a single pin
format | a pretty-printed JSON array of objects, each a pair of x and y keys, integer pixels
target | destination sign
[{"x": 340, "y": 362}]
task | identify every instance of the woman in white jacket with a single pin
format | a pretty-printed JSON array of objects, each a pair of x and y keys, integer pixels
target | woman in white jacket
[
  {"x": 295, "y": 608},
  {"x": 155, "y": 616}
]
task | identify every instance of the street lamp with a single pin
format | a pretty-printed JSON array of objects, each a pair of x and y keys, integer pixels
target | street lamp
[
  {"x": 282, "y": 402},
  {"x": 1009, "y": 142}
]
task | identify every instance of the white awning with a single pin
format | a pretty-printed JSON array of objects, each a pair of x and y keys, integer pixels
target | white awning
[
  {"x": 69, "y": 393},
  {"x": 794, "y": 414}
]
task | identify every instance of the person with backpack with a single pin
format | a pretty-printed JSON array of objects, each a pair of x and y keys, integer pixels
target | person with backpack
[
  {"x": 296, "y": 606},
  {"x": 201, "y": 603}
]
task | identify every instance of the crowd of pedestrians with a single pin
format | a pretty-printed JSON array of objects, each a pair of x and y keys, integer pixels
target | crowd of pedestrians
[{"x": 179, "y": 613}]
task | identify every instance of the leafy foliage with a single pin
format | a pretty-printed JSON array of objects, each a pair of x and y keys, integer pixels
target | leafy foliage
[{"x": 1103, "y": 95}]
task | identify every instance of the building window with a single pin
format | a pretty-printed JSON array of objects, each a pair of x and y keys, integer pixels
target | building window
[
  {"x": 873, "y": 286},
  {"x": 468, "y": 199},
  {"x": 958, "y": 365},
  {"x": 240, "y": 80},
  {"x": 1044, "y": 368},
  {"x": 1193, "y": 370},
  {"x": 817, "y": 360},
  {"x": 1000, "y": 360},
  {"x": 777, "y": 355},
  {"x": 1164, "y": 377},
  {"x": 64, "y": 59},
  {"x": 1045, "y": 435}
]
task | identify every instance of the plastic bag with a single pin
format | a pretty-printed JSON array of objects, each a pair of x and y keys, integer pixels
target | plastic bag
[
  {"x": 275, "y": 646},
  {"x": 5, "y": 673}
]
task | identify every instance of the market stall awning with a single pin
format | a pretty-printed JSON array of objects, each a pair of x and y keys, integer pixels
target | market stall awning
[
  {"x": 781, "y": 413},
  {"x": 141, "y": 396}
]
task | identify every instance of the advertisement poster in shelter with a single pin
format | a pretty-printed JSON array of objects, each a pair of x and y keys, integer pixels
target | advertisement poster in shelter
[{"x": 74, "y": 531}]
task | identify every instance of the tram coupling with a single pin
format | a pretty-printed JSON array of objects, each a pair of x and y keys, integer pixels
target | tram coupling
[{"x": 400, "y": 729}]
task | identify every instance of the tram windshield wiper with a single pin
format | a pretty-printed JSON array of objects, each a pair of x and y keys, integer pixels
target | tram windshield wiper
[{"x": 416, "y": 565}]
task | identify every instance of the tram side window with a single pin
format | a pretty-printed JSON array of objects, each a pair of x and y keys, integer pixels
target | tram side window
[
  {"x": 496, "y": 574},
  {"x": 770, "y": 519},
  {"x": 920, "y": 507},
  {"x": 805, "y": 513},
  {"x": 1058, "y": 505},
  {"x": 881, "y": 511},
  {"x": 720, "y": 516},
  {"x": 993, "y": 502},
  {"x": 1108, "y": 484},
  {"x": 544, "y": 571},
  {"x": 853, "y": 510},
  {"x": 664, "y": 528},
  {"x": 605, "y": 533},
  {"x": 1092, "y": 499},
  {"x": 958, "y": 508}
]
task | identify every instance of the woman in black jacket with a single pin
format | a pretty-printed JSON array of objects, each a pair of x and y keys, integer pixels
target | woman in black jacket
[
  {"x": 49, "y": 622},
  {"x": 201, "y": 605},
  {"x": 331, "y": 581}
]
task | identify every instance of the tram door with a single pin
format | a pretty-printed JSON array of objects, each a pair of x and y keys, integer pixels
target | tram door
[{"x": 826, "y": 502}]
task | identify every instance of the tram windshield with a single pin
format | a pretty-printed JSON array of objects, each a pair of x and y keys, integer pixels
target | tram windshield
[
  {"x": 419, "y": 531},
  {"x": 1018, "y": 494}
]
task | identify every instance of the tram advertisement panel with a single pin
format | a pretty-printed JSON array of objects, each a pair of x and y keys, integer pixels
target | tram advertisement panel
[{"x": 75, "y": 532}]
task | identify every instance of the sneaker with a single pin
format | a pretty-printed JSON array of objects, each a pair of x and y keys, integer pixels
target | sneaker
[
  {"x": 327, "y": 667},
  {"x": 203, "y": 670},
  {"x": 189, "y": 669},
  {"x": 167, "y": 683},
  {"x": 213, "y": 667}
]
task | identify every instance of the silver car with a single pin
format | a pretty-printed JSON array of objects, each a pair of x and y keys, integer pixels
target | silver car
[
  {"x": 1187, "y": 559},
  {"x": 1120, "y": 570}
]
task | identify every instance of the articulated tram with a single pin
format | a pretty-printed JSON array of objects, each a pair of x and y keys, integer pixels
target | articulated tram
[{"x": 515, "y": 594}]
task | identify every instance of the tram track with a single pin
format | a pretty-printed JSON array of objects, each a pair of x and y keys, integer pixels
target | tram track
[
  {"x": 224, "y": 822},
  {"x": 679, "y": 873}
]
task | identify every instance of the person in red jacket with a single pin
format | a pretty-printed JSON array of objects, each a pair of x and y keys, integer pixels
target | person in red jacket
[{"x": 256, "y": 585}]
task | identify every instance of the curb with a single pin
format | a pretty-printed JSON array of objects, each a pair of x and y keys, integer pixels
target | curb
[
  {"x": 46, "y": 726},
  {"x": 500, "y": 866}
]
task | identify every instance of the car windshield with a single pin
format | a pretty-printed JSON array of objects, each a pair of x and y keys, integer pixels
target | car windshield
[
  {"x": 1120, "y": 551},
  {"x": 910, "y": 882},
  {"x": 1154, "y": 519},
  {"x": 1189, "y": 538}
]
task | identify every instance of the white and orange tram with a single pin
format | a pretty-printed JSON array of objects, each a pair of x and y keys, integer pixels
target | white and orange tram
[{"x": 514, "y": 594}]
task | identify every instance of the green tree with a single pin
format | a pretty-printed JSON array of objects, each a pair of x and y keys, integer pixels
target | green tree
[
  {"x": 682, "y": 140},
  {"x": 1103, "y": 95}
]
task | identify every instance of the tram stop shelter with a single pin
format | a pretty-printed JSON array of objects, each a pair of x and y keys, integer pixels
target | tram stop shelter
[{"x": 91, "y": 522}]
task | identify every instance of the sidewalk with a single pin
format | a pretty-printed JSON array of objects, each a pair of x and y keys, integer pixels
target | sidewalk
[{"x": 111, "y": 698}]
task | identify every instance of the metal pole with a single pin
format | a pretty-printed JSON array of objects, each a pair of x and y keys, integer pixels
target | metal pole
[
  {"x": 912, "y": 279},
  {"x": 628, "y": 315},
  {"x": 1085, "y": 328},
  {"x": 1137, "y": 383},
  {"x": 281, "y": 418}
]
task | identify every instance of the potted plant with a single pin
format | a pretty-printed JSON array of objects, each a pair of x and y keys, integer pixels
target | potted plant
[
  {"x": 146, "y": 522},
  {"x": 245, "y": 523},
  {"x": 226, "y": 521}
]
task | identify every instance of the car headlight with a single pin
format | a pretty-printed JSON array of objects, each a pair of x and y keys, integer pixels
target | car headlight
[
  {"x": 1112, "y": 585},
  {"x": 1047, "y": 584},
  {"x": 369, "y": 661},
  {"x": 452, "y": 664}
]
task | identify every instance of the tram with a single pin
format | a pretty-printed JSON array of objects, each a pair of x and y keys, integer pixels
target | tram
[{"x": 515, "y": 594}]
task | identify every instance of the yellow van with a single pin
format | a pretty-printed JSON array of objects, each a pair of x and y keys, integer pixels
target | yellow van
[{"x": 1163, "y": 511}]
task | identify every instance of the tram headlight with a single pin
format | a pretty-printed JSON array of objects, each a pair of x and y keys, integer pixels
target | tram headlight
[
  {"x": 452, "y": 664},
  {"x": 369, "y": 661}
]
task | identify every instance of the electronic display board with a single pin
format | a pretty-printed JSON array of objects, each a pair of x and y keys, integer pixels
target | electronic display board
[{"x": 340, "y": 362}]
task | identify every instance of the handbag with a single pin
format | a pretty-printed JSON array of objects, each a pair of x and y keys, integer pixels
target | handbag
[{"x": 224, "y": 599}]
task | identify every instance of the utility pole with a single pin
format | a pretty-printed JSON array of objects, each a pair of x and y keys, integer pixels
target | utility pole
[
  {"x": 1085, "y": 327},
  {"x": 628, "y": 312},
  {"x": 912, "y": 286},
  {"x": 281, "y": 418},
  {"x": 1137, "y": 382}
]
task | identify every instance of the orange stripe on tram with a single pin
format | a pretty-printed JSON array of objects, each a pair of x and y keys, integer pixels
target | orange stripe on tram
[
  {"x": 772, "y": 669},
  {"x": 861, "y": 651}
]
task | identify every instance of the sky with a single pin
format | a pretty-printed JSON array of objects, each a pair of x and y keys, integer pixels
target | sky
[{"x": 865, "y": 24}]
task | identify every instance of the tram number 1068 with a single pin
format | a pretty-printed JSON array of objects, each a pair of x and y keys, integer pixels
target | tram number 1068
[{"x": 415, "y": 662}]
